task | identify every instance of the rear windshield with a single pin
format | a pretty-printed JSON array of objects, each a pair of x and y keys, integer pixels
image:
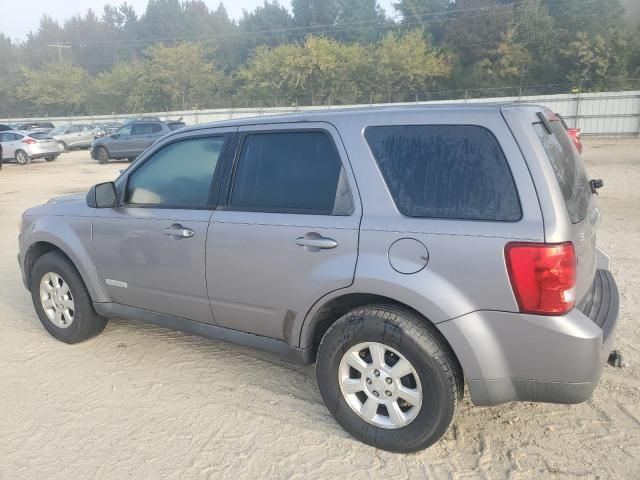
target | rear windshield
[
  {"x": 175, "y": 125},
  {"x": 445, "y": 171},
  {"x": 40, "y": 135},
  {"x": 568, "y": 167}
]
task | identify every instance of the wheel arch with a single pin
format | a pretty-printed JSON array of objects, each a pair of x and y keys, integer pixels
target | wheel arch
[
  {"x": 331, "y": 310},
  {"x": 74, "y": 253}
]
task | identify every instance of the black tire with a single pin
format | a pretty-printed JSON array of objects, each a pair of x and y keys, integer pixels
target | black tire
[
  {"x": 86, "y": 323},
  {"x": 421, "y": 344},
  {"x": 51, "y": 158},
  {"x": 22, "y": 158},
  {"x": 62, "y": 147},
  {"x": 102, "y": 155}
]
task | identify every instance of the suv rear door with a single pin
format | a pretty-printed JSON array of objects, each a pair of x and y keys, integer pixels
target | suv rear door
[{"x": 285, "y": 232}]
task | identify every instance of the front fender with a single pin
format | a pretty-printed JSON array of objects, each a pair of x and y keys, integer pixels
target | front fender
[{"x": 72, "y": 235}]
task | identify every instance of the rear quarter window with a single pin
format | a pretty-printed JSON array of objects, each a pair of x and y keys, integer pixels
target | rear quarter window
[
  {"x": 445, "y": 171},
  {"x": 568, "y": 168}
]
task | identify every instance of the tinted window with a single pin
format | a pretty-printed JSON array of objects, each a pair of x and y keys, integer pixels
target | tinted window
[
  {"x": 40, "y": 135},
  {"x": 568, "y": 168},
  {"x": 178, "y": 175},
  {"x": 445, "y": 171},
  {"x": 75, "y": 129},
  {"x": 290, "y": 172},
  {"x": 175, "y": 125},
  {"x": 125, "y": 130},
  {"x": 146, "y": 128}
]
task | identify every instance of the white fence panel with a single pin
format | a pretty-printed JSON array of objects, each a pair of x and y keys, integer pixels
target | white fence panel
[{"x": 603, "y": 113}]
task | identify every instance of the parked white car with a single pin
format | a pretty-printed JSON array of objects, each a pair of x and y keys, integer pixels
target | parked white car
[{"x": 26, "y": 146}]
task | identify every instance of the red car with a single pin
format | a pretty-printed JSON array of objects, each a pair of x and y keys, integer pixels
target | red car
[{"x": 574, "y": 133}]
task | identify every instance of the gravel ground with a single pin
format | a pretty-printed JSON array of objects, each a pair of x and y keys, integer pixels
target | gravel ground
[{"x": 143, "y": 402}]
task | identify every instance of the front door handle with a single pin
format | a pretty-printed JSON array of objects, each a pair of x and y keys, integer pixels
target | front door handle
[
  {"x": 314, "y": 242},
  {"x": 178, "y": 231}
]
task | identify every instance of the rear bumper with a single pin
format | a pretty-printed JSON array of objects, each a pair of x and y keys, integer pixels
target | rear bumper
[{"x": 520, "y": 357}]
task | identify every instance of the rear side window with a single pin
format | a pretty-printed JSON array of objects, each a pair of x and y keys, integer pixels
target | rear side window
[
  {"x": 569, "y": 169},
  {"x": 175, "y": 125},
  {"x": 291, "y": 172},
  {"x": 445, "y": 171}
]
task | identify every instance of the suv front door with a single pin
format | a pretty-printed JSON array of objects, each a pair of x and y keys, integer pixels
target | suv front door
[
  {"x": 150, "y": 250},
  {"x": 285, "y": 232}
]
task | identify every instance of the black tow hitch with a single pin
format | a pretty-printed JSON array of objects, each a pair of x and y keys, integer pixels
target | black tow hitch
[{"x": 615, "y": 359}]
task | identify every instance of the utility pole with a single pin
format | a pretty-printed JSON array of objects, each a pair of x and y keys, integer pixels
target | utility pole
[{"x": 59, "y": 47}]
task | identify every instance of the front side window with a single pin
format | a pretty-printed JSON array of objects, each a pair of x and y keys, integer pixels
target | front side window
[
  {"x": 445, "y": 171},
  {"x": 291, "y": 172},
  {"x": 124, "y": 130},
  {"x": 74, "y": 129},
  {"x": 180, "y": 175}
]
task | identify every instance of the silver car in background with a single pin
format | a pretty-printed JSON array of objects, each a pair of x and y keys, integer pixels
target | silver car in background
[
  {"x": 26, "y": 146},
  {"x": 73, "y": 136}
]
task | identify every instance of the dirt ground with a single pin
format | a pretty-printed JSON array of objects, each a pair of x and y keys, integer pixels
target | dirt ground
[{"x": 143, "y": 402}]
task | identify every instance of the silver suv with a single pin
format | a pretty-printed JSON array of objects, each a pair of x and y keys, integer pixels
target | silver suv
[{"x": 404, "y": 250}]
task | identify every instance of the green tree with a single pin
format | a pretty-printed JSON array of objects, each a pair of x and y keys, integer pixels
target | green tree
[
  {"x": 408, "y": 64},
  {"x": 312, "y": 13},
  {"x": 180, "y": 76},
  {"x": 269, "y": 24},
  {"x": 430, "y": 15},
  {"x": 593, "y": 62},
  {"x": 360, "y": 21},
  {"x": 118, "y": 90},
  {"x": 8, "y": 83},
  {"x": 57, "y": 88}
]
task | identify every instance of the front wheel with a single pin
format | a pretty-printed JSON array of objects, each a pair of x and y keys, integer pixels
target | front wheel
[
  {"x": 62, "y": 147},
  {"x": 102, "y": 155},
  {"x": 388, "y": 378},
  {"x": 51, "y": 158},
  {"x": 62, "y": 301},
  {"x": 22, "y": 158}
]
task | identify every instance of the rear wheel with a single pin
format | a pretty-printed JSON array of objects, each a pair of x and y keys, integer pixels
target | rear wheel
[
  {"x": 22, "y": 158},
  {"x": 102, "y": 155},
  {"x": 51, "y": 158},
  {"x": 62, "y": 147},
  {"x": 62, "y": 301},
  {"x": 388, "y": 378}
]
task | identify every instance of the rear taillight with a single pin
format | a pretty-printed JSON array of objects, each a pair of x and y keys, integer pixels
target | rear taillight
[
  {"x": 28, "y": 141},
  {"x": 543, "y": 276}
]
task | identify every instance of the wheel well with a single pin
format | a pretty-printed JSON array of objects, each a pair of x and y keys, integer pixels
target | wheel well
[
  {"x": 37, "y": 250},
  {"x": 329, "y": 313}
]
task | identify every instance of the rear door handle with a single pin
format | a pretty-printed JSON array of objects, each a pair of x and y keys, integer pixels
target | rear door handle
[
  {"x": 178, "y": 231},
  {"x": 313, "y": 242}
]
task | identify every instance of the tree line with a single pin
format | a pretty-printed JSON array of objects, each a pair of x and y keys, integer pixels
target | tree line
[{"x": 182, "y": 55}]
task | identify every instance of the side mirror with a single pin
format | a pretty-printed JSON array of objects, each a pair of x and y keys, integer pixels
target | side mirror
[
  {"x": 115, "y": 135},
  {"x": 102, "y": 195}
]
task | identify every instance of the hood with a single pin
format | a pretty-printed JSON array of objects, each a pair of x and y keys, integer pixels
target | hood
[{"x": 70, "y": 197}]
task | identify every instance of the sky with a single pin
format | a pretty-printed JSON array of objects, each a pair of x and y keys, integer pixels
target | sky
[{"x": 17, "y": 18}]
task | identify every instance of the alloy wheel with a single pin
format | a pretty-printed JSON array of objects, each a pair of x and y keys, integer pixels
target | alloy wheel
[
  {"x": 57, "y": 301},
  {"x": 380, "y": 385}
]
